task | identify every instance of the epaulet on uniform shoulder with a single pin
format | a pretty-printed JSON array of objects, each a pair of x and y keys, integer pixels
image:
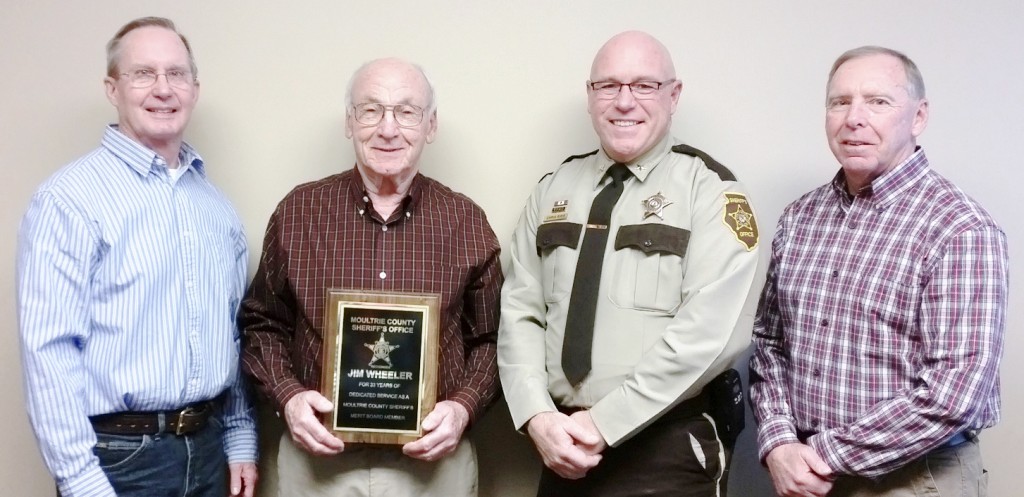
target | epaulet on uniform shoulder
[
  {"x": 580, "y": 156},
  {"x": 723, "y": 172},
  {"x": 570, "y": 159}
]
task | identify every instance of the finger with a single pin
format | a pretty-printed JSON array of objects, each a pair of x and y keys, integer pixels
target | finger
[
  {"x": 318, "y": 442},
  {"x": 236, "y": 481},
  {"x": 250, "y": 485}
]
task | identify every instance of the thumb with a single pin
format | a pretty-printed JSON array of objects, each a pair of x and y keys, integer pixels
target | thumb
[
  {"x": 433, "y": 420},
  {"x": 818, "y": 466},
  {"x": 580, "y": 434},
  {"x": 320, "y": 403}
]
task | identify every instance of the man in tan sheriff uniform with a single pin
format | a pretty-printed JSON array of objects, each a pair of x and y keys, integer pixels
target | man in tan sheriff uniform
[{"x": 670, "y": 306}]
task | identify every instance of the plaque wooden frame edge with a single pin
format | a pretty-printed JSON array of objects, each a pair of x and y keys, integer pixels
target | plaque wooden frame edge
[{"x": 428, "y": 385}]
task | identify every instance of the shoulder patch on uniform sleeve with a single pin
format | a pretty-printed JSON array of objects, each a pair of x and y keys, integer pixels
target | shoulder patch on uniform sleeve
[
  {"x": 723, "y": 172},
  {"x": 580, "y": 156},
  {"x": 739, "y": 217}
]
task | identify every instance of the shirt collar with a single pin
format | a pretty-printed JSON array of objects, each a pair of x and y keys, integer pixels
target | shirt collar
[
  {"x": 641, "y": 166},
  {"x": 362, "y": 198},
  {"x": 888, "y": 187},
  {"x": 144, "y": 160}
]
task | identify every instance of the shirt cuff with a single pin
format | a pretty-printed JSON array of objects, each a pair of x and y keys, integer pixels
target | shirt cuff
[
  {"x": 240, "y": 445},
  {"x": 285, "y": 390},
  {"x": 92, "y": 482},
  {"x": 774, "y": 432}
]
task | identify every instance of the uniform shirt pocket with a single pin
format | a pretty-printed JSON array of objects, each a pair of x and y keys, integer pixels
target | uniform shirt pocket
[
  {"x": 557, "y": 244},
  {"x": 648, "y": 272}
]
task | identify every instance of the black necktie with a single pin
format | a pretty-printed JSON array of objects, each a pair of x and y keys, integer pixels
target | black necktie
[{"x": 579, "y": 325}]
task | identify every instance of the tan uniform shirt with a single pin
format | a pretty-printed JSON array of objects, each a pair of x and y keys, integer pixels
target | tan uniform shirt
[{"x": 673, "y": 308}]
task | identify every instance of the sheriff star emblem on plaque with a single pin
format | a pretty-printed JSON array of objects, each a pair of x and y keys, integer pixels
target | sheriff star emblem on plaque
[
  {"x": 655, "y": 206},
  {"x": 381, "y": 353}
]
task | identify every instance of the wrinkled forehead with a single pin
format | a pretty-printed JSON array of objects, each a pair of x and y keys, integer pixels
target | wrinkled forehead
[
  {"x": 149, "y": 45},
  {"x": 871, "y": 73},
  {"x": 389, "y": 82}
]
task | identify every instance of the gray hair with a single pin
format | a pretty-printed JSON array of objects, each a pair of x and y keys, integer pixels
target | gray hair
[
  {"x": 431, "y": 97},
  {"x": 915, "y": 82},
  {"x": 114, "y": 45}
]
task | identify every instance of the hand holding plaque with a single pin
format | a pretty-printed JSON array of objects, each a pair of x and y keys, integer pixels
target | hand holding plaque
[{"x": 380, "y": 364}]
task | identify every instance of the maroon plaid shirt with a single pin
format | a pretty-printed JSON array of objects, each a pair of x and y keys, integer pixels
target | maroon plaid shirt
[
  {"x": 326, "y": 234},
  {"x": 880, "y": 327}
]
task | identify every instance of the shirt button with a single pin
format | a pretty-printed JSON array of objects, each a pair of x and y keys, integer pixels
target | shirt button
[
  {"x": 824, "y": 322},
  {"x": 361, "y": 211},
  {"x": 853, "y": 224},
  {"x": 647, "y": 243},
  {"x": 366, "y": 199},
  {"x": 817, "y": 372},
  {"x": 383, "y": 228},
  {"x": 835, "y": 274},
  {"x": 383, "y": 275}
]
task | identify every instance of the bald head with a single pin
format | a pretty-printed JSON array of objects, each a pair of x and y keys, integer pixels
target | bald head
[
  {"x": 637, "y": 48},
  {"x": 411, "y": 73}
]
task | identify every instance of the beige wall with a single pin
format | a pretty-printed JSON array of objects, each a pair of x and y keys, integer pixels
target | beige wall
[{"x": 512, "y": 106}]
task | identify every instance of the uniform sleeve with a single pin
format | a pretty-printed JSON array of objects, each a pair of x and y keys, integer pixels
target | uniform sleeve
[
  {"x": 521, "y": 346},
  {"x": 710, "y": 329},
  {"x": 770, "y": 362},
  {"x": 962, "y": 320},
  {"x": 57, "y": 252},
  {"x": 267, "y": 320},
  {"x": 479, "y": 385}
]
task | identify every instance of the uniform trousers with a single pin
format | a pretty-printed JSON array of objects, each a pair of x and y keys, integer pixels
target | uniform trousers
[
  {"x": 944, "y": 472},
  {"x": 678, "y": 456},
  {"x": 364, "y": 470}
]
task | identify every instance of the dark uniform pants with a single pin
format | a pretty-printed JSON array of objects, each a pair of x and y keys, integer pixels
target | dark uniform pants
[{"x": 678, "y": 456}]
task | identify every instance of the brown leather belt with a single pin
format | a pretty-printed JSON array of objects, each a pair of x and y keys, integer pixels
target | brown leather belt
[{"x": 189, "y": 419}]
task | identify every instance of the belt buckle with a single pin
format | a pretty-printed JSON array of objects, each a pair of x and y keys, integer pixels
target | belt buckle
[{"x": 180, "y": 429}]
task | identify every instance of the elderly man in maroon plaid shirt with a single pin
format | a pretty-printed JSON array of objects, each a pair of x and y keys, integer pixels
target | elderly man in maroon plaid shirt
[
  {"x": 880, "y": 327},
  {"x": 380, "y": 226}
]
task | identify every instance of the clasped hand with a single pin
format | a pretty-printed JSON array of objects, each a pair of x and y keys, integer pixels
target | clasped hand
[{"x": 569, "y": 445}]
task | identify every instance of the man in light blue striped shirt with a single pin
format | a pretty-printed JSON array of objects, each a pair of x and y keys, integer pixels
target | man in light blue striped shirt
[{"x": 130, "y": 269}]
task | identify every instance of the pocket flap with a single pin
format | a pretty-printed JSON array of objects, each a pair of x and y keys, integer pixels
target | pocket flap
[
  {"x": 551, "y": 235},
  {"x": 653, "y": 238}
]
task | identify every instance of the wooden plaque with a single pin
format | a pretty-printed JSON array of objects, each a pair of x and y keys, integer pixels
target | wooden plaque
[{"x": 380, "y": 364}]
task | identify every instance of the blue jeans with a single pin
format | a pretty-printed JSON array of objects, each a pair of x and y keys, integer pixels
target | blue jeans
[{"x": 166, "y": 465}]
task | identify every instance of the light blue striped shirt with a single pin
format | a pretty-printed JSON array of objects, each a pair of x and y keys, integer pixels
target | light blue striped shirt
[{"x": 128, "y": 288}]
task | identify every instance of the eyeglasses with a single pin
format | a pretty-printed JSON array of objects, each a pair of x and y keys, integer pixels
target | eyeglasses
[
  {"x": 640, "y": 89},
  {"x": 371, "y": 114},
  {"x": 144, "y": 78}
]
